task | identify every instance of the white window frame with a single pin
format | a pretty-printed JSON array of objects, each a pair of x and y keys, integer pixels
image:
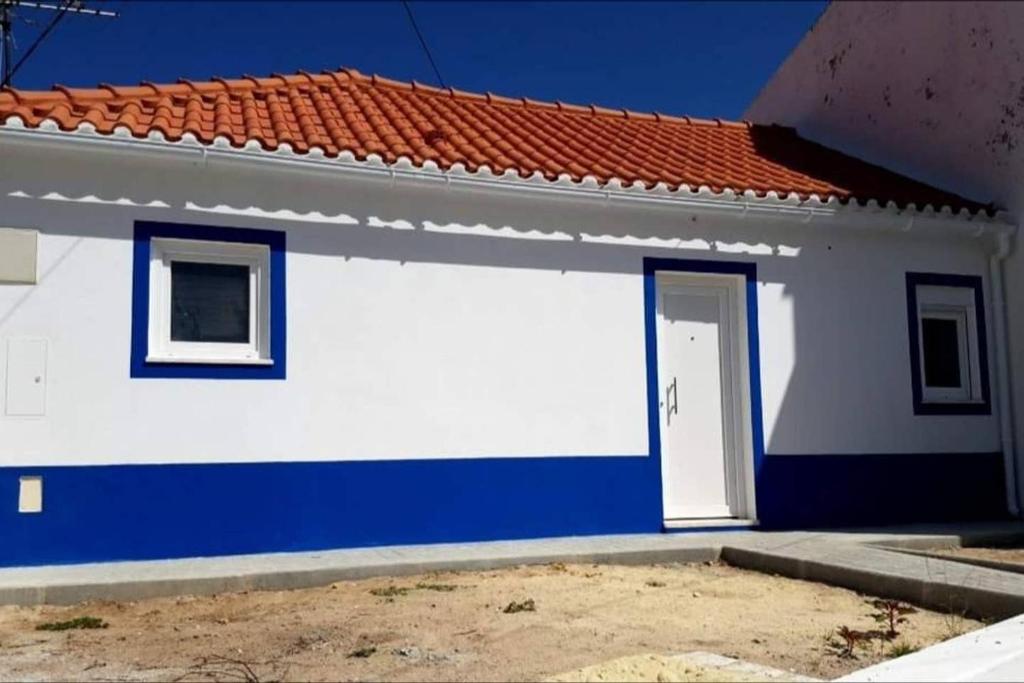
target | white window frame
[
  {"x": 956, "y": 304},
  {"x": 163, "y": 252}
]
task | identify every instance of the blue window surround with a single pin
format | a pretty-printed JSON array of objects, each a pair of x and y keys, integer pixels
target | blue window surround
[
  {"x": 921, "y": 407},
  {"x": 749, "y": 273},
  {"x": 144, "y": 232}
]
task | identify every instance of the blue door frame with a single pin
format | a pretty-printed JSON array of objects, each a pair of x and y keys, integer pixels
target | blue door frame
[{"x": 749, "y": 273}]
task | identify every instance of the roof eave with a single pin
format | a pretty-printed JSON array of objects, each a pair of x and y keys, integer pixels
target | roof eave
[{"x": 701, "y": 199}]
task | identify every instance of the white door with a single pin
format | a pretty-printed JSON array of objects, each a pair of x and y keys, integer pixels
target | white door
[{"x": 697, "y": 371}]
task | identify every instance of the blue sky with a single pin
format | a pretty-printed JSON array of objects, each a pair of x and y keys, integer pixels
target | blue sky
[{"x": 702, "y": 58}]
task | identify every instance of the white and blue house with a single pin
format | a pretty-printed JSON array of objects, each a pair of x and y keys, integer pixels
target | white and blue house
[{"x": 326, "y": 311}]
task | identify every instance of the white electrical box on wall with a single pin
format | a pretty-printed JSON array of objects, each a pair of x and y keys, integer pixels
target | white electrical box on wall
[
  {"x": 30, "y": 494},
  {"x": 18, "y": 256},
  {"x": 26, "y": 378}
]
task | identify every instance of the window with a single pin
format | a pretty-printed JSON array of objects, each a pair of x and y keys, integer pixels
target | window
[
  {"x": 948, "y": 356},
  {"x": 943, "y": 341},
  {"x": 211, "y": 302},
  {"x": 207, "y": 302}
]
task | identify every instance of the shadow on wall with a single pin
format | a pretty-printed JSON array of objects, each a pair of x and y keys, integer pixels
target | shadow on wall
[
  {"x": 369, "y": 220},
  {"x": 828, "y": 455},
  {"x": 835, "y": 168},
  {"x": 845, "y": 446},
  {"x": 365, "y": 219}
]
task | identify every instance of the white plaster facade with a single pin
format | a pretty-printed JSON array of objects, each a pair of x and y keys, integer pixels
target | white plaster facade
[{"x": 433, "y": 322}]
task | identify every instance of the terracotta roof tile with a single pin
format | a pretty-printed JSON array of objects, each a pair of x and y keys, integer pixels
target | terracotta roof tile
[{"x": 345, "y": 111}]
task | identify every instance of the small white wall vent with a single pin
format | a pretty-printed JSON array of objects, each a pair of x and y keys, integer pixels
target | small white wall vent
[
  {"x": 30, "y": 494},
  {"x": 26, "y": 378},
  {"x": 18, "y": 256}
]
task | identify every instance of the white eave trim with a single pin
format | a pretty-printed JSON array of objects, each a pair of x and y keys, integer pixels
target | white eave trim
[{"x": 702, "y": 199}]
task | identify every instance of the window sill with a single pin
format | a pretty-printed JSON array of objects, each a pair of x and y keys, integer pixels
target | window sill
[
  {"x": 184, "y": 360},
  {"x": 952, "y": 402},
  {"x": 952, "y": 408}
]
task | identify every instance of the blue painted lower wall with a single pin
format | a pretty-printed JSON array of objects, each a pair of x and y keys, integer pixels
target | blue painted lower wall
[
  {"x": 161, "y": 511},
  {"x": 814, "y": 491},
  {"x": 158, "y": 511}
]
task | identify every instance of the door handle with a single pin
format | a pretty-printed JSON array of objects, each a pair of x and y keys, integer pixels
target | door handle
[{"x": 671, "y": 401}]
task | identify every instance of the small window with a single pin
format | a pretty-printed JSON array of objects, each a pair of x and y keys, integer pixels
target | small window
[
  {"x": 208, "y": 302},
  {"x": 947, "y": 344}
]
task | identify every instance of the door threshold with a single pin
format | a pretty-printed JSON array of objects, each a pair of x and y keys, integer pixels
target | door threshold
[{"x": 709, "y": 523}]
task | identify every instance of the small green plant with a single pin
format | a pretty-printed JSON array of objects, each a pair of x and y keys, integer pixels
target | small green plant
[
  {"x": 525, "y": 606},
  {"x": 392, "y": 592},
  {"x": 76, "y": 623},
  {"x": 655, "y": 584},
  {"x": 362, "y": 653},
  {"x": 851, "y": 640},
  {"x": 901, "y": 648},
  {"x": 218, "y": 667},
  {"x": 890, "y": 613},
  {"x": 438, "y": 587},
  {"x": 955, "y": 623}
]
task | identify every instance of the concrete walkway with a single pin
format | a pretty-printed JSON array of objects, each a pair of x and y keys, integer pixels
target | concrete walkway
[
  {"x": 851, "y": 559},
  {"x": 872, "y": 564}
]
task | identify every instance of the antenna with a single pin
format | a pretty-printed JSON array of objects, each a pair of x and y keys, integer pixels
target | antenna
[{"x": 7, "y": 29}]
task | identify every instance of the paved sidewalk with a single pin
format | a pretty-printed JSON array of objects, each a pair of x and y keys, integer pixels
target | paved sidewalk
[
  {"x": 850, "y": 559},
  {"x": 64, "y": 584}
]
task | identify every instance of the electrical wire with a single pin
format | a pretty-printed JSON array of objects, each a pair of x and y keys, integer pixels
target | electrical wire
[{"x": 423, "y": 42}]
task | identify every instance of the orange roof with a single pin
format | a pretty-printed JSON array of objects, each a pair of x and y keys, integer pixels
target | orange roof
[{"x": 347, "y": 111}]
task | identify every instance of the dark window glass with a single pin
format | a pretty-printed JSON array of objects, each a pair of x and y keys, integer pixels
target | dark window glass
[
  {"x": 209, "y": 302},
  {"x": 941, "y": 341}
]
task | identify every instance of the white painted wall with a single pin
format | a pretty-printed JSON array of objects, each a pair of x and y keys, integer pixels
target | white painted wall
[{"x": 425, "y": 322}]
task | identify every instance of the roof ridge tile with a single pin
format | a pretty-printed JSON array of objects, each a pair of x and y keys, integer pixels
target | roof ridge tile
[
  {"x": 233, "y": 87},
  {"x": 310, "y": 78},
  {"x": 80, "y": 93},
  {"x": 499, "y": 99},
  {"x": 575, "y": 108},
  {"x": 426, "y": 87},
  {"x": 605, "y": 111},
  {"x": 282, "y": 78},
  {"x": 466, "y": 94},
  {"x": 352, "y": 73}
]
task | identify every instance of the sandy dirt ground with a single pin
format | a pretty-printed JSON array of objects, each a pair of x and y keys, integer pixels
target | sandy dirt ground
[
  {"x": 642, "y": 668},
  {"x": 1007, "y": 555},
  {"x": 457, "y": 627}
]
